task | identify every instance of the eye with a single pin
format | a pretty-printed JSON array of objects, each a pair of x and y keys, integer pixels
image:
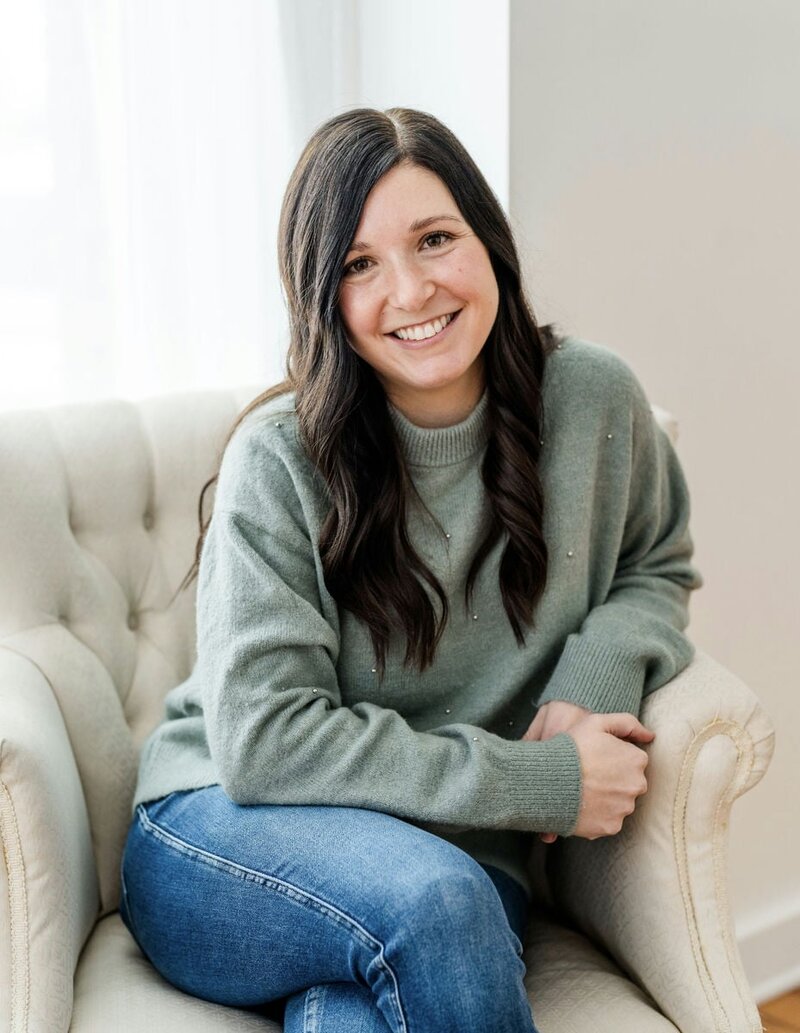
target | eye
[
  {"x": 351, "y": 270},
  {"x": 440, "y": 233},
  {"x": 355, "y": 267}
]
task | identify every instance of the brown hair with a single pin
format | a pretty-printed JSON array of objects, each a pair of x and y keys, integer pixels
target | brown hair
[{"x": 370, "y": 566}]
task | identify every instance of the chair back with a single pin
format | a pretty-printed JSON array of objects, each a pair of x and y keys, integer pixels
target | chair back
[{"x": 99, "y": 526}]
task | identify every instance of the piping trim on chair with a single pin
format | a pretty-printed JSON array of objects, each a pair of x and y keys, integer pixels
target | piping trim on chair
[
  {"x": 745, "y": 756},
  {"x": 17, "y": 910}
]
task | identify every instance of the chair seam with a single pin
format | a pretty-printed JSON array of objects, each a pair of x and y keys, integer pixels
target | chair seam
[
  {"x": 746, "y": 753},
  {"x": 745, "y": 756},
  {"x": 355, "y": 927},
  {"x": 17, "y": 910}
]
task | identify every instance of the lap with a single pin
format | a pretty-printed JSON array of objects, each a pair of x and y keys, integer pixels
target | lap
[{"x": 214, "y": 887}]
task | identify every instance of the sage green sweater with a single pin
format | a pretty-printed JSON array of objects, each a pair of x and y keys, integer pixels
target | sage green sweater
[{"x": 284, "y": 705}]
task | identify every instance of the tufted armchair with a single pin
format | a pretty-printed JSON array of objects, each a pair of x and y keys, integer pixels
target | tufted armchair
[{"x": 99, "y": 521}]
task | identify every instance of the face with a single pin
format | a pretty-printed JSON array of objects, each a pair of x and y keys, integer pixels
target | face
[{"x": 415, "y": 264}]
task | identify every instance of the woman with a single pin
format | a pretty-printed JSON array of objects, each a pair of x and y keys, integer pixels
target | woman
[{"x": 334, "y": 817}]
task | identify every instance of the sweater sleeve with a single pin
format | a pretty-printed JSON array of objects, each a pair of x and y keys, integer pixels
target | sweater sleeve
[
  {"x": 277, "y": 729},
  {"x": 633, "y": 642}
]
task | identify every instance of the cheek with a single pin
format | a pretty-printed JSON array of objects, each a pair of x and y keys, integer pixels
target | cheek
[{"x": 360, "y": 316}]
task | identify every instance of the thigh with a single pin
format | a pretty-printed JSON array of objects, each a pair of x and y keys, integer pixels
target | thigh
[
  {"x": 245, "y": 905},
  {"x": 225, "y": 899}
]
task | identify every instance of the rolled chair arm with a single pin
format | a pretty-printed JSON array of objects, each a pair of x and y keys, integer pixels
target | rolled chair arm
[
  {"x": 48, "y": 893},
  {"x": 655, "y": 896}
]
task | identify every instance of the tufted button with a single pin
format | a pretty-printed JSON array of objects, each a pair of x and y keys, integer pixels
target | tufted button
[
  {"x": 133, "y": 621},
  {"x": 148, "y": 521}
]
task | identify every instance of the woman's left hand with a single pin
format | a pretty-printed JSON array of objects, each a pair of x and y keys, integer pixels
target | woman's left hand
[{"x": 552, "y": 718}]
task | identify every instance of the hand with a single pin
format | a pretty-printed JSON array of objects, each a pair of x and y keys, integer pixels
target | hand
[
  {"x": 612, "y": 766},
  {"x": 553, "y": 717}
]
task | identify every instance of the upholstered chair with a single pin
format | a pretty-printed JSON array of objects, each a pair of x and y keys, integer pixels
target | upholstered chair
[{"x": 97, "y": 528}]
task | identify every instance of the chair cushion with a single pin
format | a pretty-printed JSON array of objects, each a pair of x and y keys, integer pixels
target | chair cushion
[{"x": 572, "y": 987}]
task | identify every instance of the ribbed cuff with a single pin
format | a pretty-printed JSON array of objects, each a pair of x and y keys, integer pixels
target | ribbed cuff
[
  {"x": 602, "y": 678},
  {"x": 546, "y": 784}
]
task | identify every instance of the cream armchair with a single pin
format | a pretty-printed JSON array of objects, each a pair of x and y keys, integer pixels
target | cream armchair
[{"x": 99, "y": 521}]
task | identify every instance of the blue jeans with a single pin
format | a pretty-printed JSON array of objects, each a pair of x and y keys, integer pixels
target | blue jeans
[{"x": 331, "y": 919}]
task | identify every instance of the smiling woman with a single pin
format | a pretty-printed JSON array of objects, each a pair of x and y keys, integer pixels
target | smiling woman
[
  {"x": 335, "y": 815},
  {"x": 415, "y": 282}
]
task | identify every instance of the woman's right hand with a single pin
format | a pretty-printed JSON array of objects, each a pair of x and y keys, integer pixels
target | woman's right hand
[{"x": 612, "y": 770}]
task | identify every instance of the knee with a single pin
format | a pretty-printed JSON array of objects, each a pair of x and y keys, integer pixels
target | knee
[
  {"x": 455, "y": 954},
  {"x": 458, "y": 904}
]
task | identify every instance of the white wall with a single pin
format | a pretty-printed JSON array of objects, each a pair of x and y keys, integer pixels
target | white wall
[{"x": 654, "y": 187}]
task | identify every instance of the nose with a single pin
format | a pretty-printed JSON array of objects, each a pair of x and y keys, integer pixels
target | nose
[{"x": 409, "y": 287}]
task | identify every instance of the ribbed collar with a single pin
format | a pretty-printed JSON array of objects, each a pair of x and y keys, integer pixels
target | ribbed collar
[{"x": 442, "y": 446}]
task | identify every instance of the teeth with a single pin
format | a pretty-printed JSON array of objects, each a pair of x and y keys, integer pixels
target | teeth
[{"x": 421, "y": 332}]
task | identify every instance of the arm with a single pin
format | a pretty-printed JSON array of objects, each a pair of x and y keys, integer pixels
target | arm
[
  {"x": 48, "y": 875},
  {"x": 633, "y": 642},
  {"x": 276, "y": 725}
]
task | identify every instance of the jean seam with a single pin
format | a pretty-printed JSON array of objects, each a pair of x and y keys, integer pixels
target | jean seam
[
  {"x": 126, "y": 899},
  {"x": 328, "y": 910},
  {"x": 312, "y": 1009}
]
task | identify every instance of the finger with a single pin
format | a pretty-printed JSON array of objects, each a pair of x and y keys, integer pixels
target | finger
[
  {"x": 626, "y": 726},
  {"x": 534, "y": 731}
]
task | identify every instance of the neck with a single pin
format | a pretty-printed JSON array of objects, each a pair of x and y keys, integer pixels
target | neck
[
  {"x": 443, "y": 408},
  {"x": 443, "y": 446}
]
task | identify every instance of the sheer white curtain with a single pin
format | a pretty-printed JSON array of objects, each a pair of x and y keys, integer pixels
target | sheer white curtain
[{"x": 144, "y": 149}]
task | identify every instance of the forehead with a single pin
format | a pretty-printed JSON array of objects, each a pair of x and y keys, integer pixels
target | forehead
[{"x": 401, "y": 196}]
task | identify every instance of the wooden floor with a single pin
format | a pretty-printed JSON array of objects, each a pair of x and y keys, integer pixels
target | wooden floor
[{"x": 782, "y": 1015}]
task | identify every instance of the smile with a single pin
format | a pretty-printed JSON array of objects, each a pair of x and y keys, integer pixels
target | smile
[{"x": 424, "y": 333}]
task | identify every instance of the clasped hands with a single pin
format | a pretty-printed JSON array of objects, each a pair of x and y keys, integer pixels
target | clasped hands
[{"x": 613, "y": 761}]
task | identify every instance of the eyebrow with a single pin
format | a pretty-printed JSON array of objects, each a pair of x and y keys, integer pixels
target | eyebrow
[{"x": 415, "y": 227}]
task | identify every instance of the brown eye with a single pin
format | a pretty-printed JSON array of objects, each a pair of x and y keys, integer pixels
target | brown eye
[
  {"x": 441, "y": 234},
  {"x": 352, "y": 268}
]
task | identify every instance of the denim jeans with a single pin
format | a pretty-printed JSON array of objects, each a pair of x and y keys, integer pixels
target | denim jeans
[{"x": 331, "y": 919}]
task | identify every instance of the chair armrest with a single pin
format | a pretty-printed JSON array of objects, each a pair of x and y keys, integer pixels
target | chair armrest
[
  {"x": 48, "y": 881},
  {"x": 655, "y": 895}
]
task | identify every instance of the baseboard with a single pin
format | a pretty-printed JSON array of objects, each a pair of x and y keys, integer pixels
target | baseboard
[{"x": 769, "y": 942}]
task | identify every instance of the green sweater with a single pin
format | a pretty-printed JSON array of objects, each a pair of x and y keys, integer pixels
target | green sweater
[{"x": 284, "y": 706}]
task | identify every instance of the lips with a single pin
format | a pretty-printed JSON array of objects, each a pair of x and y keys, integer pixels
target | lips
[
  {"x": 408, "y": 332},
  {"x": 413, "y": 344}
]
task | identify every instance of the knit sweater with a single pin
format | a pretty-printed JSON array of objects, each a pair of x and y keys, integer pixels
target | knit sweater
[{"x": 284, "y": 705}]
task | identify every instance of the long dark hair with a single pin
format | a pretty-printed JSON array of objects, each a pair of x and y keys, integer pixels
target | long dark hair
[{"x": 370, "y": 566}]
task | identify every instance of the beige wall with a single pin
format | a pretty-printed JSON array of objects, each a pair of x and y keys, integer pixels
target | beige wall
[{"x": 655, "y": 191}]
